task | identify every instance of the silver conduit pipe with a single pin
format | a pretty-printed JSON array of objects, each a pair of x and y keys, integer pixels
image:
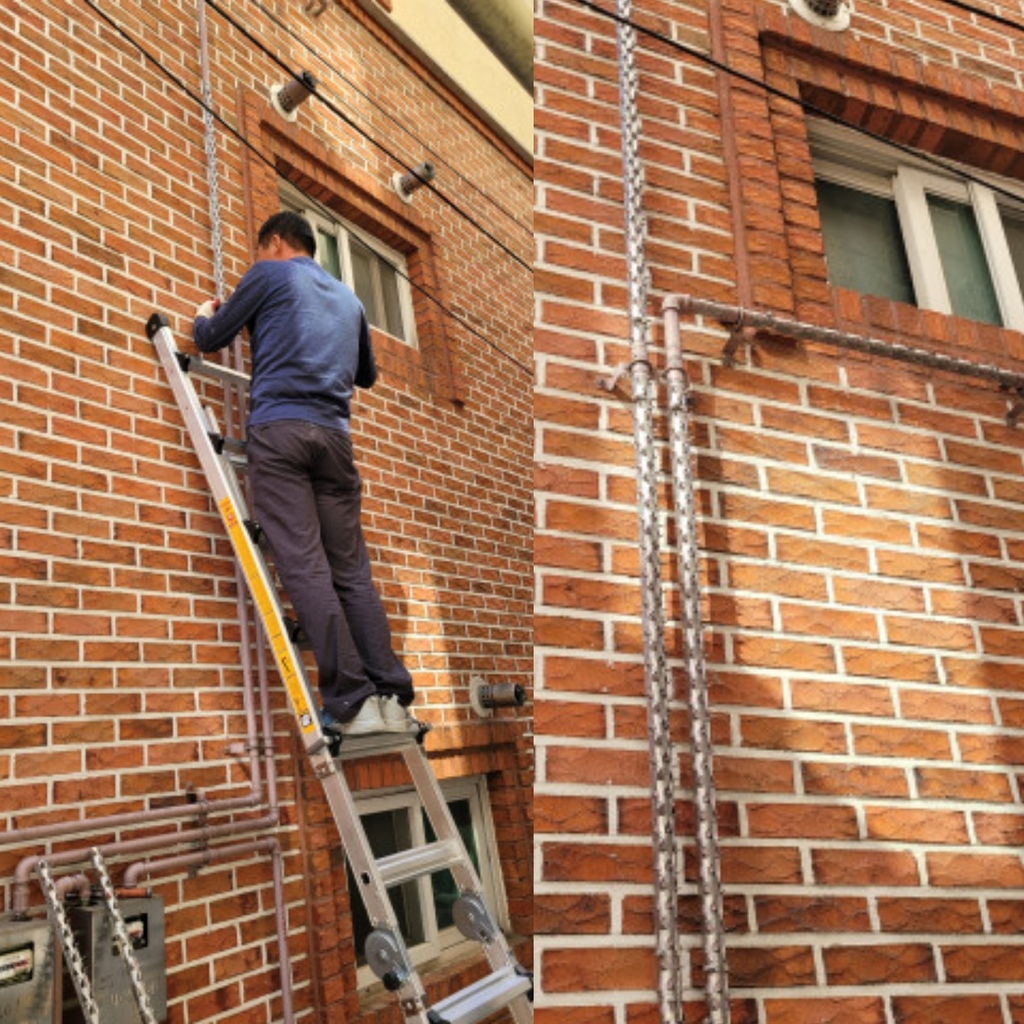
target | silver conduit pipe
[
  {"x": 656, "y": 676},
  {"x": 738, "y": 319},
  {"x": 716, "y": 984}
]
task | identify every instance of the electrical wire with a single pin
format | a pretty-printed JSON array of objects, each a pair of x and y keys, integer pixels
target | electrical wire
[
  {"x": 339, "y": 113},
  {"x": 196, "y": 98},
  {"x": 386, "y": 113},
  {"x": 771, "y": 90},
  {"x": 999, "y": 19}
]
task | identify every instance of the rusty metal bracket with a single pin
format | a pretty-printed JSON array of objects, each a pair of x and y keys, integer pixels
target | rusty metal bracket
[{"x": 1015, "y": 411}]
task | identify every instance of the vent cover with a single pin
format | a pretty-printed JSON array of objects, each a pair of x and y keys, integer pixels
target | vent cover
[{"x": 830, "y": 14}]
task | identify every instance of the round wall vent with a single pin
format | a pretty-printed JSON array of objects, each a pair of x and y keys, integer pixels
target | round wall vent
[{"x": 830, "y": 14}]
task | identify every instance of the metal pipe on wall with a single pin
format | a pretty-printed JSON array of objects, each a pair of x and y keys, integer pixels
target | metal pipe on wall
[
  {"x": 193, "y": 860},
  {"x": 736, "y": 318},
  {"x": 716, "y": 985},
  {"x": 656, "y": 676},
  {"x": 27, "y": 865}
]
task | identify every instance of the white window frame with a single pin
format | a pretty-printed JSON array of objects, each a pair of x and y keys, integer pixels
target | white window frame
[
  {"x": 448, "y": 941},
  {"x": 342, "y": 229},
  {"x": 871, "y": 166}
]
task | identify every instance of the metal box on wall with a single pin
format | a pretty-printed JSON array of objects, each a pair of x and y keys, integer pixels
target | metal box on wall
[
  {"x": 111, "y": 987},
  {"x": 26, "y": 971}
]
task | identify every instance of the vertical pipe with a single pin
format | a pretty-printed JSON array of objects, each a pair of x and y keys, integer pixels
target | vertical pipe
[
  {"x": 708, "y": 867},
  {"x": 730, "y": 155},
  {"x": 662, "y": 754}
]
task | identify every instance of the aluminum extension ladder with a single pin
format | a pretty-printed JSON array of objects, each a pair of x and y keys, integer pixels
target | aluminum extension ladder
[{"x": 508, "y": 985}]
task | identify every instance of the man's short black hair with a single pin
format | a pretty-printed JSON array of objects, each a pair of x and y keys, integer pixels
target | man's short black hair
[{"x": 292, "y": 228}]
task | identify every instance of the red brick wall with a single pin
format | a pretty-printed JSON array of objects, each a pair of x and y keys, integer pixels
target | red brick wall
[
  {"x": 119, "y": 649},
  {"x": 860, "y": 531}
]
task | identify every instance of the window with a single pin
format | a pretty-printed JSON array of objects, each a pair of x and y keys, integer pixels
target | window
[
  {"x": 375, "y": 272},
  {"x": 896, "y": 228},
  {"x": 395, "y": 822}
]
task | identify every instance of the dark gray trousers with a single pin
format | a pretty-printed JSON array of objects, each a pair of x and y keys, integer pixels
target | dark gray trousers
[{"x": 306, "y": 496}]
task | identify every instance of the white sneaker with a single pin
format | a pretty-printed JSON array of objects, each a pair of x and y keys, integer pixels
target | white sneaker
[
  {"x": 395, "y": 717},
  {"x": 366, "y": 722}
]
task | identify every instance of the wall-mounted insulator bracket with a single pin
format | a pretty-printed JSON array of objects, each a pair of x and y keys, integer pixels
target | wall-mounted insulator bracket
[
  {"x": 739, "y": 335},
  {"x": 1014, "y": 413}
]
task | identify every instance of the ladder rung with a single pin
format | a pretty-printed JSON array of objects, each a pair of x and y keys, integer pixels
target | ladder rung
[
  {"x": 417, "y": 862},
  {"x": 204, "y": 368},
  {"x": 480, "y": 1000},
  {"x": 379, "y": 742}
]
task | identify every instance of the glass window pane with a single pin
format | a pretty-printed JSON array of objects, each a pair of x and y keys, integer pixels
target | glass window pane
[
  {"x": 388, "y": 832},
  {"x": 446, "y": 892},
  {"x": 327, "y": 254},
  {"x": 863, "y": 242},
  {"x": 363, "y": 259},
  {"x": 968, "y": 280},
  {"x": 392, "y": 303},
  {"x": 1013, "y": 225}
]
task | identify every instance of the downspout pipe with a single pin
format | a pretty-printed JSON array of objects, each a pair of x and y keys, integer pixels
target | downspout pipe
[
  {"x": 716, "y": 987},
  {"x": 730, "y": 155},
  {"x": 656, "y": 676}
]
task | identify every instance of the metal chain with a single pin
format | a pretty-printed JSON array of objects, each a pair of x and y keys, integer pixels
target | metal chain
[
  {"x": 72, "y": 957},
  {"x": 124, "y": 942},
  {"x": 210, "y": 139},
  {"x": 705, "y": 804},
  {"x": 657, "y": 681}
]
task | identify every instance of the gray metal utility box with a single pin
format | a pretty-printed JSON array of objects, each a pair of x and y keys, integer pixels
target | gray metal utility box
[
  {"x": 26, "y": 971},
  {"x": 111, "y": 988}
]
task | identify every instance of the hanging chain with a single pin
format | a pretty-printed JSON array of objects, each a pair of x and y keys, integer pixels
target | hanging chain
[
  {"x": 210, "y": 139},
  {"x": 708, "y": 873},
  {"x": 124, "y": 942},
  {"x": 72, "y": 957},
  {"x": 657, "y": 681}
]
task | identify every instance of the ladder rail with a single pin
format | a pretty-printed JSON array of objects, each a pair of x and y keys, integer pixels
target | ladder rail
[
  {"x": 405, "y": 980},
  {"x": 289, "y": 663},
  {"x": 496, "y": 948}
]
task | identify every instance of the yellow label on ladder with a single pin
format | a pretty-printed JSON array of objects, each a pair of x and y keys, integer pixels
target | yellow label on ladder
[{"x": 267, "y": 608}]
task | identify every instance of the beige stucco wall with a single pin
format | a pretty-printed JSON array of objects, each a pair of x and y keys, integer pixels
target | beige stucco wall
[{"x": 442, "y": 35}]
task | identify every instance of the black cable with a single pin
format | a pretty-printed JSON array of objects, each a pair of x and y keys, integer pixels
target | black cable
[
  {"x": 386, "y": 113},
  {"x": 339, "y": 113},
  {"x": 269, "y": 163},
  {"x": 772, "y": 90},
  {"x": 999, "y": 19}
]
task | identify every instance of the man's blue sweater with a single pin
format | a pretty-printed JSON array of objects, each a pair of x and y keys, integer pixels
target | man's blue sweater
[{"x": 309, "y": 339}]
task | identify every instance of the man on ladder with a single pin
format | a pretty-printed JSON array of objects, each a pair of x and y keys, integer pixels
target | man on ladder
[{"x": 310, "y": 346}]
